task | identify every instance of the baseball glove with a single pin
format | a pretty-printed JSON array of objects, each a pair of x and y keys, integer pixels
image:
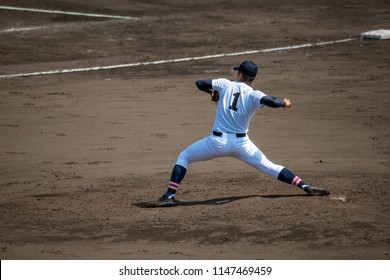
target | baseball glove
[{"x": 214, "y": 96}]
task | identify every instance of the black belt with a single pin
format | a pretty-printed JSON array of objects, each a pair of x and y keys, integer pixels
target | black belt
[{"x": 238, "y": 135}]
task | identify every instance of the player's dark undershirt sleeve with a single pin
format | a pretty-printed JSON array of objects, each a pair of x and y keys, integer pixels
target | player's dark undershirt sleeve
[
  {"x": 204, "y": 85},
  {"x": 273, "y": 102}
]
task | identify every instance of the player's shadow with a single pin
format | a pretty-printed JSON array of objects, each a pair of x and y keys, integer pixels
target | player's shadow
[{"x": 217, "y": 201}]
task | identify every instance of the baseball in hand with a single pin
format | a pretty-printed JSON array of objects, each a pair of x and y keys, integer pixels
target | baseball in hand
[{"x": 288, "y": 103}]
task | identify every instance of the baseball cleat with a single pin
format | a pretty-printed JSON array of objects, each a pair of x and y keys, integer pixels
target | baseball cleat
[
  {"x": 317, "y": 191},
  {"x": 165, "y": 201}
]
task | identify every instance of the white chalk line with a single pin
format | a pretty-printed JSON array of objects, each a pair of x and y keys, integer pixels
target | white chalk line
[
  {"x": 22, "y": 29},
  {"x": 65, "y": 12},
  {"x": 53, "y": 26},
  {"x": 175, "y": 60}
]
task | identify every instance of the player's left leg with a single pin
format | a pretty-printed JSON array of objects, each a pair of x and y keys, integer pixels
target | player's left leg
[
  {"x": 177, "y": 176},
  {"x": 202, "y": 150}
]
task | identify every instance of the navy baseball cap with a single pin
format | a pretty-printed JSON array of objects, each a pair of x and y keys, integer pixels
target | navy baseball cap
[{"x": 247, "y": 67}]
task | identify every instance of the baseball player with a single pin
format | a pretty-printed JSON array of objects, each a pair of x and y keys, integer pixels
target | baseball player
[{"x": 237, "y": 104}]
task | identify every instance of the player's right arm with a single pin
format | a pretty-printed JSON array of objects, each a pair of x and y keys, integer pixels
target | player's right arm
[{"x": 275, "y": 102}]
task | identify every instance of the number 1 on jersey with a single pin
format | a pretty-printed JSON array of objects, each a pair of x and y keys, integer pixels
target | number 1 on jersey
[{"x": 235, "y": 100}]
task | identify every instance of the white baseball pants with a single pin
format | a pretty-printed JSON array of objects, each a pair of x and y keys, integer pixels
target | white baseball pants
[{"x": 228, "y": 145}]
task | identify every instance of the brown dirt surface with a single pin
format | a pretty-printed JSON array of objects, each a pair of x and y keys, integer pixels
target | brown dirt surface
[{"x": 81, "y": 152}]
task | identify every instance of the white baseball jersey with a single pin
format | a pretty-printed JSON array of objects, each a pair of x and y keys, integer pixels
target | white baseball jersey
[{"x": 237, "y": 105}]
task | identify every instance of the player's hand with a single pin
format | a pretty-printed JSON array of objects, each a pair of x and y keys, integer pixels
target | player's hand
[
  {"x": 288, "y": 103},
  {"x": 214, "y": 96}
]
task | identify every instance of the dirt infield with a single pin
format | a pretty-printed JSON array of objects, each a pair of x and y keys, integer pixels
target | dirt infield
[{"x": 81, "y": 152}]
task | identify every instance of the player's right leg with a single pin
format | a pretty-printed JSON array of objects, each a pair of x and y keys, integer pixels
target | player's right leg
[
  {"x": 249, "y": 153},
  {"x": 288, "y": 177},
  {"x": 253, "y": 156}
]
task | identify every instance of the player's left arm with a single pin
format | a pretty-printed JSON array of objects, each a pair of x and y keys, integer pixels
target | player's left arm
[
  {"x": 275, "y": 102},
  {"x": 205, "y": 85}
]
